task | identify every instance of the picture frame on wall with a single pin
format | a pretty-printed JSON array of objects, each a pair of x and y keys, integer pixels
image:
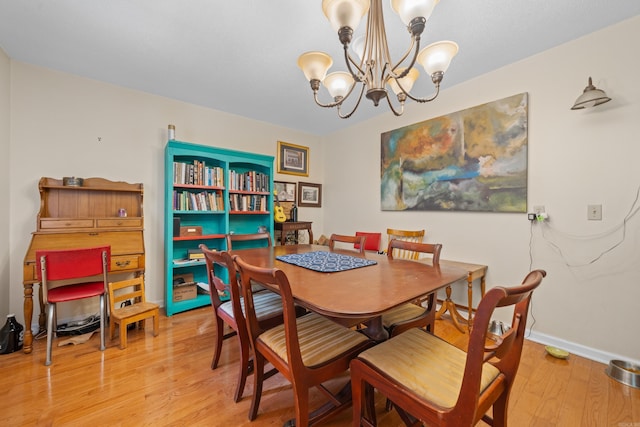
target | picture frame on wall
[
  {"x": 285, "y": 191},
  {"x": 309, "y": 195},
  {"x": 293, "y": 159}
]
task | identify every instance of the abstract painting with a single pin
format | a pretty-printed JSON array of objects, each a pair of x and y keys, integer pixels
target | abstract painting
[{"x": 470, "y": 160}]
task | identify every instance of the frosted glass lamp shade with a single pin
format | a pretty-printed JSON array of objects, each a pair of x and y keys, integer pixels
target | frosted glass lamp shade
[
  {"x": 410, "y": 9},
  {"x": 406, "y": 81},
  {"x": 315, "y": 65},
  {"x": 437, "y": 56},
  {"x": 591, "y": 97},
  {"x": 345, "y": 13},
  {"x": 338, "y": 84}
]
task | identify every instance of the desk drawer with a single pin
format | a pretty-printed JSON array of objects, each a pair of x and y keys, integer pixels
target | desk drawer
[
  {"x": 125, "y": 262},
  {"x": 62, "y": 224},
  {"x": 119, "y": 222}
]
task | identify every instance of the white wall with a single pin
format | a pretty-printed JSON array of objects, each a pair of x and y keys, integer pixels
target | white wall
[
  {"x": 576, "y": 158},
  {"x": 5, "y": 179},
  {"x": 57, "y": 119}
]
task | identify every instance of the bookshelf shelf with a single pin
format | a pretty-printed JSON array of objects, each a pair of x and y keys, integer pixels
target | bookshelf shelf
[{"x": 196, "y": 172}]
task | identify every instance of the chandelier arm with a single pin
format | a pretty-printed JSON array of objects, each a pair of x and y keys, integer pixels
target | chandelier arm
[
  {"x": 355, "y": 106},
  {"x": 395, "y": 112},
  {"x": 415, "y": 42},
  {"x": 348, "y": 60},
  {"x": 338, "y": 102},
  {"x": 435, "y": 95}
]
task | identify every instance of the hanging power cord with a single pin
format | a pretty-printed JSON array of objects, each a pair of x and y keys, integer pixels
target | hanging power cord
[
  {"x": 632, "y": 212},
  {"x": 533, "y": 318}
]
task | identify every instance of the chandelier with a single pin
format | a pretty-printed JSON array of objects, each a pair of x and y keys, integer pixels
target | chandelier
[{"x": 369, "y": 62}]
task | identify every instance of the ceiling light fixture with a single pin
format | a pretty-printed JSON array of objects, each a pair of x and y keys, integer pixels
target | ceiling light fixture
[
  {"x": 590, "y": 97},
  {"x": 373, "y": 67}
]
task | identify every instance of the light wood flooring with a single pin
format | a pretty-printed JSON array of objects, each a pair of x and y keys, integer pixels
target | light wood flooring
[{"x": 167, "y": 381}]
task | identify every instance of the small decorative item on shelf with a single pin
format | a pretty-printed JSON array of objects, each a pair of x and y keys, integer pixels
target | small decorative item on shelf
[
  {"x": 171, "y": 133},
  {"x": 72, "y": 181},
  {"x": 293, "y": 214},
  {"x": 122, "y": 212}
]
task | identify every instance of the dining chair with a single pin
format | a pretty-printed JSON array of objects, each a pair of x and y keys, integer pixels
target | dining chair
[
  {"x": 412, "y": 314},
  {"x": 70, "y": 275},
  {"x": 372, "y": 242},
  {"x": 136, "y": 312},
  {"x": 438, "y": 384},
  {"x": 222, "y": 276},
  {"x": 416, "y": 236},
  {"x": 241, "y": 241},
  {"x": 357, "y": 243},
  {"x": 307, "y": 350}
]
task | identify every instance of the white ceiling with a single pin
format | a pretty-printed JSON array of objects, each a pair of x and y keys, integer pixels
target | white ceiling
[{"x": 240, "y": 56}]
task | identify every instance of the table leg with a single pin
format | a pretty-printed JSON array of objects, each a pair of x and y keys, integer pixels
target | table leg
[
  {"x": 375, "y": 330},
  {"x": 449, "y": 305},
  {"x": 28, "y": 314}
]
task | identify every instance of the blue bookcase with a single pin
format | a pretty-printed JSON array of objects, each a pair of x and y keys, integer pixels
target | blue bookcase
[{"x": 210, "y": 192}]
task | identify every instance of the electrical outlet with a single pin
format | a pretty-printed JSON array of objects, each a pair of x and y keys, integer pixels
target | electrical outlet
[{"x": 539, "y": 209}]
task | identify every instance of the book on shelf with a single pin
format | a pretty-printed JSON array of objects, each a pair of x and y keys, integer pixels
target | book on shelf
[
  {"x": 195, "y": 254},
  {"x": 197, "y": 173}
]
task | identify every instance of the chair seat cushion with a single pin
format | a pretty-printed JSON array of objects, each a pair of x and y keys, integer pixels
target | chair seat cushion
[
  {"x": 321, "y": 340},
  {"x": 425, "y": 364},
  {"x": 400, "y": 314},
  {"x": 75, "y": 291},
  {"x": 267, "y": 304}
]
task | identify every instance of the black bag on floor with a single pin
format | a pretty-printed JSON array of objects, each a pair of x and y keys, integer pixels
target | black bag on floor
[{"x": 11, "y": 335}]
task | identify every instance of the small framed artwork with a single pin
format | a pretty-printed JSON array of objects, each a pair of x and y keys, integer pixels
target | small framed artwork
[
  {"x": 293, "y": 159},
  {"x": 309, "y": 195},
  {"x": 285, "y": 191}
]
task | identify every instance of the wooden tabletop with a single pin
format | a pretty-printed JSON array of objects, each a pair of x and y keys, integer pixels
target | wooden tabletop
[{"x": 364, "y": 292}]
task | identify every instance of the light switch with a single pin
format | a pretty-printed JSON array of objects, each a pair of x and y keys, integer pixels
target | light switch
[{"x": 594, "y": 212}]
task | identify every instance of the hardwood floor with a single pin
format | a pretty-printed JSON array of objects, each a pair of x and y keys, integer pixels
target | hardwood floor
[{"x": 167, "y": 381}]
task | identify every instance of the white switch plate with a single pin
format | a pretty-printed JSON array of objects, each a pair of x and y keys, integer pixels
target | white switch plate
[{"x": 594, "y": 212}]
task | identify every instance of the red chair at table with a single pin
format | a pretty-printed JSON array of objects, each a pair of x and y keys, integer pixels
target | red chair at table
[{"x": 73, "y": 274}]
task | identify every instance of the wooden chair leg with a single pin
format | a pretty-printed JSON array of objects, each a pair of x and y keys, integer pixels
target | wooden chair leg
[
  {"x": 218, "y": 348},
  {"x": 123, "y": 335},
  {"x": 244, "y": 369},
  {"x": 156, "y": 324},
  {"x": 301, "y": 401},
  {"x": 258, "y": 377}
]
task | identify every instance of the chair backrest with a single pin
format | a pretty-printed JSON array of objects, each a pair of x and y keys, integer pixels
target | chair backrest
[
  {"x": 240, "y": 241},
  {"x": 129, "y": 289},
  {"x": 222, "y": 277},
  {"x": 276, "y": 279},
  {"x": 62, "y": 267},
  {"x": 402, "y": 246},
  {"x": 351, "y": 240},
  {"x": 372, "y": 243},
  {"x": 416, "y": 236},
  {"x": 504, "y": 353}
]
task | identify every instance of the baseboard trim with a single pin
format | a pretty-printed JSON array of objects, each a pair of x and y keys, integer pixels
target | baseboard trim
[{"x": 577, "y": 349}]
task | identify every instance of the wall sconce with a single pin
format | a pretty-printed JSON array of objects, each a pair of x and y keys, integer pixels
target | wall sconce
[{"x": 590, "y": 97}]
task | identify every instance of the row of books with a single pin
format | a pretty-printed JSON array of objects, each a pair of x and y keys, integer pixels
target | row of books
[
  {"x": 248, "y": 203},
  {"x": 248, "y": 181},
  {"x": 197, "y": 174},
  {"x": 203, "y": 201}
]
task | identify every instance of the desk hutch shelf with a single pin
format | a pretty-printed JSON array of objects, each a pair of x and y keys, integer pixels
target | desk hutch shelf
[{"x": 215, "y": 191}]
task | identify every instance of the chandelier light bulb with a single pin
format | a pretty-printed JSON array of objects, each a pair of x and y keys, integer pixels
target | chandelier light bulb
[
  {"x": 411, "y": 9},
  {"x": 345, "y": 13}
]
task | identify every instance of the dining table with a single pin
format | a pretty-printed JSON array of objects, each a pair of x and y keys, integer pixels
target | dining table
[{"x": 359, "y": 295}]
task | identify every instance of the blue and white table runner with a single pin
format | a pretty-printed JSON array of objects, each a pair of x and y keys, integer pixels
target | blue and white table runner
[{"x": 326, "y": 262}]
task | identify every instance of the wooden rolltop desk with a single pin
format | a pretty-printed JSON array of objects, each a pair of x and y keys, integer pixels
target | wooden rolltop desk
[{"x": 98, "y": 212}]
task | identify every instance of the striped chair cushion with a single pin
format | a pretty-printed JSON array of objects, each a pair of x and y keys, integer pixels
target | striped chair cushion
[
  {"x": 425, "y": 364},
  {"x": 402, "y": 313},
  {"x": 320, "y": 339},
  {"x": 266, "y": 304}
]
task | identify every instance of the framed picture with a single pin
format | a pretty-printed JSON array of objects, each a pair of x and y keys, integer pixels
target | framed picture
[
  {"x": 309, "y": 195},
  {"x": 293, "y": 159},
  {"x": 285, "y": 191}
]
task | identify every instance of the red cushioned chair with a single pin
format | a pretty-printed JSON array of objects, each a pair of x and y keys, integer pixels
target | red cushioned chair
[
  {"x": 73, "y": 274},
  {"x": 372, "y": 242}
]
